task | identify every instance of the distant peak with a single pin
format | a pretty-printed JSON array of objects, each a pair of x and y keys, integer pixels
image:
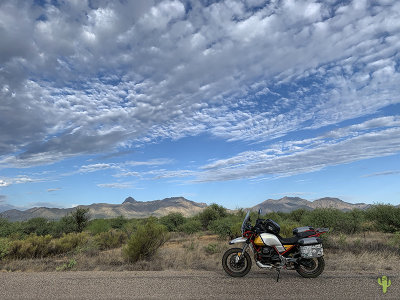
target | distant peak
[
  {"x": 129, "y": 200},
  {"x": 330, "y": 199},
  {"x": 292, "y": 198}
]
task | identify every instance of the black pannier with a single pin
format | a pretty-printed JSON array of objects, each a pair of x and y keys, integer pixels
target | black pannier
[
  {"x": 302, "y": 232},
  {"x": 272, "y": 226},
  {"x": 309, "y": 241}
]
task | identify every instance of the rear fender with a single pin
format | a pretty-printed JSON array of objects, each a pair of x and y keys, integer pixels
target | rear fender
[{"x": 238, "y": 240}]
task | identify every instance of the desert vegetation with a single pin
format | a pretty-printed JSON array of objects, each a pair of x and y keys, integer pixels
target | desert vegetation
[{"x": 77, "y": 243}]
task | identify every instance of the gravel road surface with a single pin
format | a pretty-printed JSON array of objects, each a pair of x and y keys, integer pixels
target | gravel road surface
[{"x": 257, "y": 284}]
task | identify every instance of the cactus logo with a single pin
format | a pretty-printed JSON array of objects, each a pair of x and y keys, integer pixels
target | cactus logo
[{"x": 385, "y": 283}]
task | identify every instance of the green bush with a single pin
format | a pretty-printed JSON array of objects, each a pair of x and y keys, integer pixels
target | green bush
[
  {"x": 98, "y": 226},
  {"x": 190, "y": 226},
  {"x": 386, "y": 218},
  {"x": 110, "y": 239},
  {"x": 4, "y": 247},
  {"x": 6, "y": 227},
  {"x": 297, "y": 215},
  {"x": 352, "y": 221},
  {"x": 67, "y": 266},
  {"x": 172, "y": 221},
  {"x": 73, "y": 222},
  {"x": 38, "y": 226},
  {"x": 64, "y": 226},
  {"x": 229, "y": 226},
  {"x": 287, "y": 227},
  {"x": 81, "y": 218},
  {"x": 118, "y": 222},
  {"x": 211, "y": 213},
  {"x": 69, "y": 242},
  {"x": 144, "y": 243},
  {"x": 32, "y": 247},
  {"x": 274, "y": 216},
  {"x": 212, "y": 249},
  {"x": 324, "y": 217}
]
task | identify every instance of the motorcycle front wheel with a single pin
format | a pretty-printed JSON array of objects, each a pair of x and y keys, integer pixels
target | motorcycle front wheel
[
  {"x": 236, "y": 263},
  {"x": 311, "y": 268}
]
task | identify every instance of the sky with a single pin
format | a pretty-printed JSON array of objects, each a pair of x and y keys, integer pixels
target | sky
[{"x": 228, "y": 102}]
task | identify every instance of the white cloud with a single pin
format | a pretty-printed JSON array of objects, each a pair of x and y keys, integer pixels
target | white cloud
[
  {"x": 3, "y": 183},
  {"x": 116, "y": 185},
  {"x": 151, "y": 162},
  {"x": 97, "y": 167},
  {"x": 20, "y": 179},
  {"x": 384, "y": 173},
  {"x": 304, "y": 158},
  {"x": 162, "y": 174},
  {"x": 79, "y": 79}
]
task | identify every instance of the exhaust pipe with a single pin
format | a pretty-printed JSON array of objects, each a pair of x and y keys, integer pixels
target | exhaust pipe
[{"x": 262, "y": 266}]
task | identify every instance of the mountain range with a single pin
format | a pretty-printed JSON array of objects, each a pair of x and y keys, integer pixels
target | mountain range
[
  {"x": 288, "y": 204},
  {"x": 131, "y": 208}
]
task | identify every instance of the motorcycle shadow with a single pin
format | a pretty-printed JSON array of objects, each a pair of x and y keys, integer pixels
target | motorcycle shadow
[{"x": 265, "y": 274}]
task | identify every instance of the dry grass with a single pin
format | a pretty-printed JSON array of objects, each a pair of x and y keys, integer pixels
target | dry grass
[{"x": 356, "y": 253}]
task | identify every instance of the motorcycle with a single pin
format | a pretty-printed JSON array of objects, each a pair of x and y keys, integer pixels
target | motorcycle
[{"x": 302, "y": 252}]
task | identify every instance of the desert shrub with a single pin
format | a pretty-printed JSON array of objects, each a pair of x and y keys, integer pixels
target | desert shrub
[
  {"x": 67, "y": 266},
  {"x": 229, "y": 226},
  {"x": 38, "y": 226},
  {"x": 131, "y": 226},
  {"x": 324, "y": 217},
  {"x": 395, "y": 241},
  {"x": 386, "y": 218},
  {"x": 73, "y": 222},
  {"x": 212, "y": 248},
  {"x": 190, "y": 226},
  {"x": 98, "y": 226},
  {"x": 352, "y": 221},
  {"x": 118, "y": 222},
  {"x": 144, "y": 243},
  {"x": 5, "y": 227},
  {"x": 287, "y": 227},
  {"x": 4, "y": 247},
  {"x": 172, "y": 221},
  {"x": 211, "y": 213},
  {"x": 274, "y": 216},
  {"x": 81, "y": 218},
  {"x": 297, "y": 215},
  {"x": 69, "y": 242},
  {"x": 110, "y": 239},
  {"x": 64, "y": 226},
  {"x": 32, "y": 247}
]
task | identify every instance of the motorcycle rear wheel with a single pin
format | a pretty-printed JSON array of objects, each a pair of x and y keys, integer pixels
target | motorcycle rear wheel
[
  {"x": 311, "y": 268},
  {"x": 232, "y": 268}
]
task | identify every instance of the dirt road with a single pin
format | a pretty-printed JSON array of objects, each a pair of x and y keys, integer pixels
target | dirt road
[{"x": 193, "y": 285}]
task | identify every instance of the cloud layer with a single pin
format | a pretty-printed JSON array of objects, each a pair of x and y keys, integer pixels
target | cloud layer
[{"x": 84, "y": 77}]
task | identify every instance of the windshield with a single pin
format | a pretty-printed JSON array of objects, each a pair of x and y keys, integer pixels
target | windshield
[{"x": 246, "y": 218}]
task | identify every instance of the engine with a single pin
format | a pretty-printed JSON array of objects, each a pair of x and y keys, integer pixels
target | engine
[{"x": 268, "y": 255}]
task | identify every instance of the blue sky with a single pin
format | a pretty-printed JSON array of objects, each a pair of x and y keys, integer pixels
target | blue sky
[{"x": 232, "y": 102}]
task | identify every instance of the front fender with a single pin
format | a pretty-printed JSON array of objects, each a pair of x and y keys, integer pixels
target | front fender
[{"x": 238, "y": 240}]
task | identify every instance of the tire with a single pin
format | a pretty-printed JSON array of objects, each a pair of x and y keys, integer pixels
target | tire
[
  {"x": 311, "y": 267},
  {"x": 236, "y": 269}
]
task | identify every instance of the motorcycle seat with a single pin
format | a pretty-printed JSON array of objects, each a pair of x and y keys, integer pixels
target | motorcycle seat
[{"x": 288, "y": 241}]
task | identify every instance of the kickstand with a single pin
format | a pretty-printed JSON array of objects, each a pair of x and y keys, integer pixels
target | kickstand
[{"x": 279, "y": 273}]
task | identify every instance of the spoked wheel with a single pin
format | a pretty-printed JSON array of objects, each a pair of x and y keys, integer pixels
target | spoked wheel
[
  {"x": 236, "y": 263},
  {"x": 311, "y": 268}
]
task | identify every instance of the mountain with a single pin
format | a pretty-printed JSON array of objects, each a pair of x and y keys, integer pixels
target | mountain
[
  {"x": 130, "y": 208},
  {"x": 288, "y": 204},
  {"x": 5, "y": 206}
]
